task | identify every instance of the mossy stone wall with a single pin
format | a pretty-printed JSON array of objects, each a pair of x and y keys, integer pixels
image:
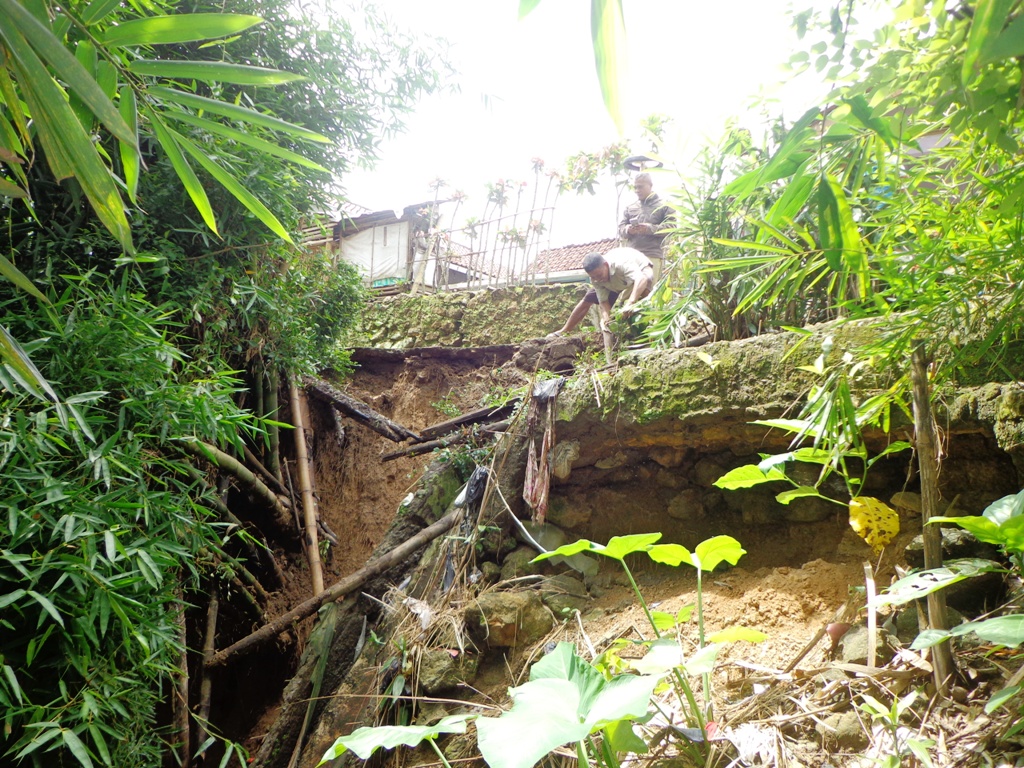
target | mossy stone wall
[{"x": 465, "y": 318}]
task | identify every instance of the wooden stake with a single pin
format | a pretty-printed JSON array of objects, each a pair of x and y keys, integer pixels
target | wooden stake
[
  {"x": 306, "y": 492},
  {"x": 869, "y": 587},
  {"x": 927, "y": 459}
]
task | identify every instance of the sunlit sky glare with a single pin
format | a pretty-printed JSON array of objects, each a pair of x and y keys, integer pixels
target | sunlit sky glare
[{"x": 527, "y": 88}]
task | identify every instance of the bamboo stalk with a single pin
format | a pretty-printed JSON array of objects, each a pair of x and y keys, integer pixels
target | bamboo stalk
[
  {"x": 359, "y": 411},
  {"x": 306, "y": 492},
  {"x": 927, "y": 459},
  {"x": 273, "y": 433},
  {"x": 179, "y": 703},
  {"x": 205, "y": 680},
  {"x": 264, "y": 472},
  {"x": 243, "y": 474},
  {"x": 336, "y": 591}
]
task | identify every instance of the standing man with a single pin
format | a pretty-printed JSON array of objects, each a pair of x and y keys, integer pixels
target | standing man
[
  {"x": 620, "y": 271},
  {"x": 643, "y": 222}
]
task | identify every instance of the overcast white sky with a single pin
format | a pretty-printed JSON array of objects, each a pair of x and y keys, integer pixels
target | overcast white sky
[{"x": 528, "y": 89}]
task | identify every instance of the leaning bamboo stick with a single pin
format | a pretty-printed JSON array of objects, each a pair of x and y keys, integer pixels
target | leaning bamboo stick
[
  {"x": 336, "y": 591},
  {"x": 306, "y": 491},
  {"x": 205, "y": 679},
  {"x": 180, "y": 701}
]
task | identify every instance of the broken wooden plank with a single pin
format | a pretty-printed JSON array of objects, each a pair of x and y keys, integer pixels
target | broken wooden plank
[
  {"x": 473, "y": 417},
  {"x": 359, "y": 411}
]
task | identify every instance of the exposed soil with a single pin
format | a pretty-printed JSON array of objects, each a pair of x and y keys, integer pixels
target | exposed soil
[{"x": 794, "y": 578}]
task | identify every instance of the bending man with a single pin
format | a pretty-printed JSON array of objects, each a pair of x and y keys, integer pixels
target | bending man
[{"x": 620, "y": 271}]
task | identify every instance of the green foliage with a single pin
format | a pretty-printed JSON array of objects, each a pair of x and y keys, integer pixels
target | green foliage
[
  {"x": 902, "y": 744},
  {"x": 103, "y": 534}
]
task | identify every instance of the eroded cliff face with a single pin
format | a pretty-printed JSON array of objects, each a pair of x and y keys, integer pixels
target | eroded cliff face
[{"x": 636, "y": 449}]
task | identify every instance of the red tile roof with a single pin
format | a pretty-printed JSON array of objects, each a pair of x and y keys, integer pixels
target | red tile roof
[{"x": 570, "y": 257}]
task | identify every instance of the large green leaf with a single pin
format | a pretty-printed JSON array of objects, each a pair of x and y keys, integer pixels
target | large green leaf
[
  {"x": 211, "y": 71},
  {"x": 365, "y": 741},
  {"x": 179, "y": 28},
  {"x": 16, "y": 276},
  {"x": 81, "y": 82},
  {"x": 608, "y": 30},
  {"x": 169, "y": 143},
  {"x": 1008, "y": 534},
  {"x": 255, "y": 142},
  {"x": 236, "y": 112},
  {"x": 1004, "y": 630},
  {"x": 921, "y": 583},
  {"x": 710, "y": 552},
  {"x": 232, "y": 185},
  {"x": 617, "y": 548},
  {"x": 748, "y": 476}
]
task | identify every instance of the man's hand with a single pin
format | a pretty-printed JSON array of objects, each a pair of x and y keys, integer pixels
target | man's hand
[{"x": 641, "y": 229}]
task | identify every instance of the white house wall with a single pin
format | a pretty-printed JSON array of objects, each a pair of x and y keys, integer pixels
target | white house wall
[{"x": 380, "y": 253}]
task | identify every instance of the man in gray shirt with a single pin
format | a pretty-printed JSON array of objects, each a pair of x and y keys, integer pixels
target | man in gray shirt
[
  {"x": 619, "y": 271},
  {"x": 644, "y": 223}
]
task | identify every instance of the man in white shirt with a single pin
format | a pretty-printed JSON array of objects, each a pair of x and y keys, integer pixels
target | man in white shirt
[{"x": 619, "y": 271}]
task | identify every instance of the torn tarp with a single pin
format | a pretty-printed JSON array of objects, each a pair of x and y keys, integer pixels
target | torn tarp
[{"x": 540, "y": 421}]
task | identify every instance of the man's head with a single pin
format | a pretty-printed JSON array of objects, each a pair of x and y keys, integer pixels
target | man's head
[
  {"x": 596, "y": 267},
  {"x": 643, "y": 186}
]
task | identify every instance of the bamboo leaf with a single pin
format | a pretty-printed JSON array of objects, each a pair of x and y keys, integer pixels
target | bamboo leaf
[
  {"x": 65, "y": 65},
  {"x": 97, "y": 10},
  {"x": 15, "y": 275},
  {"x": 608, "y": 30},
  {"x": 10, "y": 189},
  {"x": 236, "y": 112},
  {"x": 232, "y": 185},
  {"x": 1008, "y": 45},
  {"x": 70, "y": 151},
  {"x": 211, "y": 71},
  {"x": 244, "y": 138},
  {"x": 169, "y": 143},
  {"x": 177, "y": 28},
  {"x": 77, "y": 748},
  {"x": 130, "y": 161},
  {"x": 988, "y": 21}
]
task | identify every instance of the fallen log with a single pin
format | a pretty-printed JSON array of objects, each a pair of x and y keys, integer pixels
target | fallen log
[
  {"x": 334, "y": 592},
  {"x": 473, "y": 417},
  {"x": 359, "y": 411},
  {"x": 420, "y": 448}
]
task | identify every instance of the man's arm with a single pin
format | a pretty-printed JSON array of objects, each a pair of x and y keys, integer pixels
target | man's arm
[
  {"x": 641, "y": 285},
  {"x": 624, "y": 225},
  {"x": 605, "y": 309}
]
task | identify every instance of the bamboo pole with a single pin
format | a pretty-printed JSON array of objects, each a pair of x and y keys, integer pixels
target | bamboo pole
[
  {"x": 927, "y": 458},
  {"x": 205, "y": 680},
  {"x": 306, "y": 492},
  {"x": 179, "y": 703},
  {"x": 273, "y": 433},
  {"x": 336, "y": 591}
]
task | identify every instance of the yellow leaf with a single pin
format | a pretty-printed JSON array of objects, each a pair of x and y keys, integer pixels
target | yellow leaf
[{"x": 874, "y": 521}]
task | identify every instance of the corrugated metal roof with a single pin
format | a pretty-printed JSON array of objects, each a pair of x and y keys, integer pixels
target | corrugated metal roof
[{"x": 570, "y": 257}]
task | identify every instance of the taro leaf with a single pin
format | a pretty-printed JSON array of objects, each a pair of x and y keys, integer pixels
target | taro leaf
[
  {"x": 617, "y": 548},
  {"x": 921, "y": 583},
  {"x": 664, "y": 656},
  {"x": 365, "y": 741},
  {"x": 711, "y": 552},
  {"x": 736, "y": 634},
  {"x": 663, "y": 622},
  {"x": 1004, "y": 630},
  {"x": 747, "y": 477},
  {"x": 1009, "y": 535},
  {"x": 670, "y": 554},
  {"x": 929, "y": 637},
  {"x": 621, "y": 738},
  {"x": 565, "y": 701},
  {"x": 542, "y": 718},
  {"x": 1001, "y": 510},
  {"x": 703, "y": 661}
]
